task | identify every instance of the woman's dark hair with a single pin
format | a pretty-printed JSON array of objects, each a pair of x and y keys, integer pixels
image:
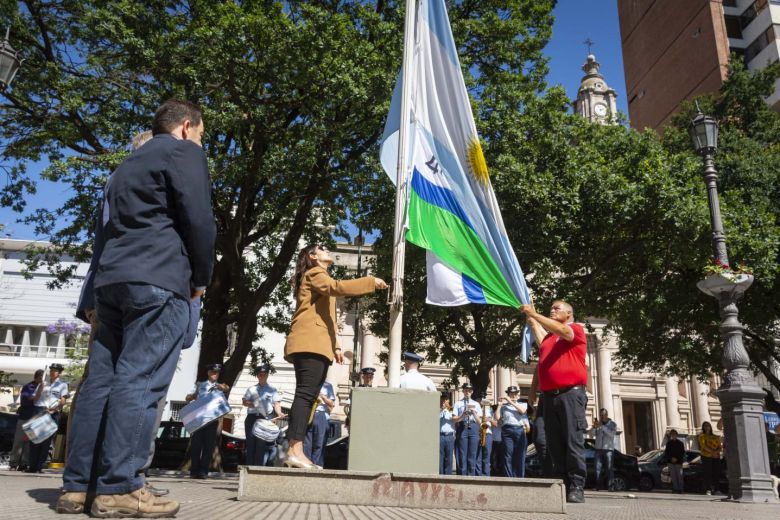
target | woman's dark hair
[
  {"x": 706, "y": 423},
  {"x": 303, "y": 264}
]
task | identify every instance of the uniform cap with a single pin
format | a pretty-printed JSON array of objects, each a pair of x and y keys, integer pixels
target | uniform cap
[
  {"x": 56, "y": 366},
  {"x": 265, "y": 368},
  {"x": 467, "y": 386},
  {"x": 214, "y": 366},
  {"x": 512, "y": 390},
  {"x": 411, "y": 356},
  {"x": 368, "y": 370}
]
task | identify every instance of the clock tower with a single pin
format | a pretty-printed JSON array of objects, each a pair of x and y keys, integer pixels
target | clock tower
[{"x": 595, "y": 100}]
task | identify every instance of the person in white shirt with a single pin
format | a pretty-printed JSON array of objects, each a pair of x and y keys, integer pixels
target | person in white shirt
[
  {"x": 49, "y": 397},
  {"x": 263, "y": 401},
  {"x": 487, "y": 421},
  {"x": 514, "y": 430},
  {"x": 202, "y": 444},
  {"x": 317, "y": 432},
  {"x": 468, "y": 415},
  {"x": 413, "y": 379},
  {"x": 446, "y": 436}
]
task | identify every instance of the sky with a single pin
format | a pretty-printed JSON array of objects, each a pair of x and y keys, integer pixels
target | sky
[{"x": 575, "y": 21}]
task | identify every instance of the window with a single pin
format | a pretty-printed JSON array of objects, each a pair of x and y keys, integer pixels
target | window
[
  {"x": 749, "y": 14},
  {"x": 729, "y": 3},
  {"x": 760, "y": 43},
  {"x": 733, "y": 27}
]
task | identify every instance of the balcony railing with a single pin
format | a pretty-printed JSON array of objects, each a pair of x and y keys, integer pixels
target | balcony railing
[{"x": 35, "y": 351}]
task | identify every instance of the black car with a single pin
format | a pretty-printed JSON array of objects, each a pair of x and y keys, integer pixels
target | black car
[
  {"x": 7, "y": 431},
  {"x": 651, "y": 465},
  {"x": 170, "y": 448},
  {"x": 626, "y": 468}
]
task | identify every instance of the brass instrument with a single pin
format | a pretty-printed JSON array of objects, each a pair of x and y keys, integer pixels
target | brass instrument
[
  {"x": 314, "y": 406},
  {"x": 484, "y": 427}
]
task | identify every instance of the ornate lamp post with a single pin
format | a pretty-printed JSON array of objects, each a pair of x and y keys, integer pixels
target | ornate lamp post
[
  {"x": 9, "y": 62},
  {"x": 741, "y": 399}
]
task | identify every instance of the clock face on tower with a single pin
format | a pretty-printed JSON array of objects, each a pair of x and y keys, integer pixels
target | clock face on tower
[{"x": 600, "y": 109}]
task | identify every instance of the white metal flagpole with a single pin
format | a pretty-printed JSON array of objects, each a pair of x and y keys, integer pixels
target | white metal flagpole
[{"x": 397, "y": 294}]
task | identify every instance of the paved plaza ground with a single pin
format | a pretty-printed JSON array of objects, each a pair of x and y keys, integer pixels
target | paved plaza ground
[{"x": 32, "y": 497}]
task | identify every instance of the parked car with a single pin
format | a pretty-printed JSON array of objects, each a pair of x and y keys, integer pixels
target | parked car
[
  {"x": 7, "y": 431},
  {"x": 626, "y": 468},
  {"x": 651, "y": 465},
  {"x": 693, "y": 476},
  {"x": 170, "y": 448}
]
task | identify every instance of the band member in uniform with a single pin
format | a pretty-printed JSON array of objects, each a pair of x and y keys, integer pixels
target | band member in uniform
[
  {"x": 413, "y": 379},
  {"x": 264, "y": 402},
  {"x": 514, "y": 429},
  {"x": 317, "y": 432},
  {"x": 202, "y": 444},
  {"x": 367, "y": 377},
  {"x": 487, "y": 423},
  {"x": 49, "y": 396},
  {"x": 467, "y": 417},
  {"x": 311, "y": 343},
  {"x": 446, "y": 436}
]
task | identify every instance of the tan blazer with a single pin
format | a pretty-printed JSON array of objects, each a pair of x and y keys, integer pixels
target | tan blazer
[{"x": 313, "y": 328}]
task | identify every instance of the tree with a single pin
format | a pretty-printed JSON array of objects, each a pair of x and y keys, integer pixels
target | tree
[{"x": 294, "y": 94}]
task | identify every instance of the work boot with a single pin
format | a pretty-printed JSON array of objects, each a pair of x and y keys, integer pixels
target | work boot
[
  {"x": 138, "y": 504},
  {"x": 576, "y": 495},
  {"x": 71, "y": 503}
]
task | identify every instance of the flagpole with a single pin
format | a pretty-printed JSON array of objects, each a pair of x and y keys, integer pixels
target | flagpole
[{"x": 399, "y": 252}]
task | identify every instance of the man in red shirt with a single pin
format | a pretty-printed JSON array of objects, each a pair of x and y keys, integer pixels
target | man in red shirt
[{"x": 562, "y": 376}]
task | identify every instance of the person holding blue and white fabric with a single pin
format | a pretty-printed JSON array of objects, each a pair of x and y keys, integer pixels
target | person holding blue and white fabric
[
  {"x": 202, "y": 444},
  {"x": 50, "y": 397},
  {"x": 317, "y": 433},
  {"x": 264, "y": 402},
  {"x": 446, "y": 436},
  {"x": 468, "y": 413},
  {"x": 514, "y": 428}
]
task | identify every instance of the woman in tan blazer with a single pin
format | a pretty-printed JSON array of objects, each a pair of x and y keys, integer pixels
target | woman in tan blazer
[{"x": 311, "y": 344}]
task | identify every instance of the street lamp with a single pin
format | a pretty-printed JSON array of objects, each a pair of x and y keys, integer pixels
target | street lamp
[
  {"x": 9, "y": 62},
  {"x": 741, "y": 399}
]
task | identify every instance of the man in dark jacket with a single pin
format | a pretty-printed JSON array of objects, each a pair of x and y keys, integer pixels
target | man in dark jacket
[
  {"x": 158, "y": 254},
  {"x": 674, "y": 455},
  {"x": 20, "y": 452}
]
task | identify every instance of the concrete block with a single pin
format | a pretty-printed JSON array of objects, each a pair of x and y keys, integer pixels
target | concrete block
[
  {"x": 394, "y": 430},
  {"x": 262, "y": 484}
]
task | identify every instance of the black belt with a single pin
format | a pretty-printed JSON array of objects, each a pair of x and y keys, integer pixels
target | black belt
[{"x": 563, "y": 390}]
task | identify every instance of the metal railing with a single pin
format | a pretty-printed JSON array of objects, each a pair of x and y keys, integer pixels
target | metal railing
[{"x": 35, "y": 351}]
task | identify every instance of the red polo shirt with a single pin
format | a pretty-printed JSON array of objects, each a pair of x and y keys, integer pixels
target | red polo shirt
[{"x": 561, "y": 362}]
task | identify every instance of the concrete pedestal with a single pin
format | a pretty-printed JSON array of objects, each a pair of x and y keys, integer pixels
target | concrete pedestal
[
  {"x": 263, "y": 484},
  {"x": 394, "y": 430}
]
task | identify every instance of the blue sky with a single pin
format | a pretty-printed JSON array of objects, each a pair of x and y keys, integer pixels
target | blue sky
[{"x": 575, "y": 20}]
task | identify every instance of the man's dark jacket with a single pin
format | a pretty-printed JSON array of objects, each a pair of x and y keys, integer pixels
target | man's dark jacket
[{"x": 160, "y": 228}]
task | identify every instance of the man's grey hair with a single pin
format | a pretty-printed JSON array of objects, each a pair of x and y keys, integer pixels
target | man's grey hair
[{"x": 140, "y": 139}]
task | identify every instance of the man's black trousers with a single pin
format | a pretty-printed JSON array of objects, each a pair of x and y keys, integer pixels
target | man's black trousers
[{"x": 565, "y": 425}]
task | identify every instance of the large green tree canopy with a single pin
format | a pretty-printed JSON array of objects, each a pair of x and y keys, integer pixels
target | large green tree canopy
[{"x": 294, "y": 95}]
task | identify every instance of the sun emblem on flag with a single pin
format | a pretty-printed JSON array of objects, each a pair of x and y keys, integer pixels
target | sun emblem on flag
[{"x": 476, "y": 160}]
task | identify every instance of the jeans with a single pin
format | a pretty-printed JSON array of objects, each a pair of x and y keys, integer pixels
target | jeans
[
  {"x": 316, "y": 435},
  {"x": 565, "y": 425},
  {"x": 676, "y": 472},
  {"x": 604, "y": 460},
  {"x": 483, "y": 456},
  {"x": 202, "y": 449},
  {"x": 515, "y": 445},
  {"x": 152, "y": 446},
  {"x": 39, "y": 453},
  {"x": 711, "y": 467},
  {"x": 446, "y": 445},
  {"x": 133, "y": 358},
  {"x": 310, "y": 372},
  {"x": 467, "y": 441}
]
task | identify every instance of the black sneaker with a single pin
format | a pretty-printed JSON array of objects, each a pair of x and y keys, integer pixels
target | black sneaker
[{"x": 576, "y": 496}]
